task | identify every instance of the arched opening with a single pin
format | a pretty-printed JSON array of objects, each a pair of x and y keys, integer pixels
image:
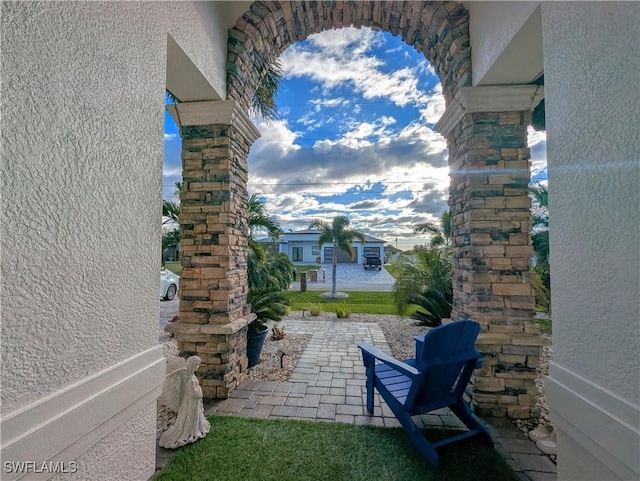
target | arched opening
[{"x": 486, "y": 131}]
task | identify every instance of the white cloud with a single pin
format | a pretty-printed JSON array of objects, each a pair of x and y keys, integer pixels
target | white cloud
[
  {"x": 170, "y": 137},
  {"x": 435, "y": 106},
  {"x": 338, "y": 57},
  {"x": 275, "y": 136}
]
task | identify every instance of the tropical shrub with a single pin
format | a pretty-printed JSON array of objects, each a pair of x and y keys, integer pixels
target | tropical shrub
[
  {"x": 275, "y": 271},
  {"x": 267, "y": 304},
  {"x": 434, "y": 306},
  {"x": 343, "y": 311},
  {"x": 430, "y": 272},
  {"x": 315, "y": 309}
]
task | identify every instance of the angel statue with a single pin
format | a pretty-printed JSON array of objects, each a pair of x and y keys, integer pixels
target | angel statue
[{"x": 181, "y": 392}]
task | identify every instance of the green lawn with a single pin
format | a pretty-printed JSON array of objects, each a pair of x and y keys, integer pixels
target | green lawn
[
  {"x": 174, "y": 267},
  {"x": 240, "y": 449},
  {"x": 364, "y": 302},
  {"x": 306, "y": 268}
]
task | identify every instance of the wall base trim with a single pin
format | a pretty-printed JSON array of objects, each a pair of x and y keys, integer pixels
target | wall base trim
[
  {"x": 601, "y": 422},
  {"x": 67, "y": 423}
]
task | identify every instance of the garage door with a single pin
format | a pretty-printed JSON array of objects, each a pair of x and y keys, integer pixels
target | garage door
[{"x": 343, "y": 256}]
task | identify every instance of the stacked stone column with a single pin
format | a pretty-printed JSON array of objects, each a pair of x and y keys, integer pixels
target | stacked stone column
[
  {"x": 486, "y": 130},
  {"x": 216, "y": 137}
]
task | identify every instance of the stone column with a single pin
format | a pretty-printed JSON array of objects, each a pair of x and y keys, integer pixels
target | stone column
[
  {"x": 216, "y": 137},
  {"x": 486, "y": 131}
]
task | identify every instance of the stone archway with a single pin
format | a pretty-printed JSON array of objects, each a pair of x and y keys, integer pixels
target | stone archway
[
  {"x": 486, "y": 132},
  {"x": 439, "y": 30}
]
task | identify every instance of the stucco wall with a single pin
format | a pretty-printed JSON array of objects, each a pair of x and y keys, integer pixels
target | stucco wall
[
  {"x": 82, "y": 137},
  {"x": 82, "y": 169},
  {"x": 592, "y": 91},
  {"x": 111, "y": 458},
  {"x": 493, "y": 27}
]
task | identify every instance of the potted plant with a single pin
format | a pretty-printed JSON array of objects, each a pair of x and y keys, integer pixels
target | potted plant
[{"x": 267, "y": 304}]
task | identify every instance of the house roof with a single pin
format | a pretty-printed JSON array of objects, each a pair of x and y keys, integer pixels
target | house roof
[{"x": 367, "y": 238}]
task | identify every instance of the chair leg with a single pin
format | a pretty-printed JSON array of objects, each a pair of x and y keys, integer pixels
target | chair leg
[
  {"x": 419, "y": 441},
  {"x": 463, "y": 412},
  {"x": 369, "y": 386}
]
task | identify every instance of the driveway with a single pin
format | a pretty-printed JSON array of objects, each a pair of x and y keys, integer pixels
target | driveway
[
  {"x": 351, "y": 277},
  {"x": 168, "y": 309}
]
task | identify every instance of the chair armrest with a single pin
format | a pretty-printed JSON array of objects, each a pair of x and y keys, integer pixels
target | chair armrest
[{"x": 373, "y": 352}]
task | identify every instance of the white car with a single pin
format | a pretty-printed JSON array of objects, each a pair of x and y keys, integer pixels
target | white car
[{"x": 169, "y": 283}]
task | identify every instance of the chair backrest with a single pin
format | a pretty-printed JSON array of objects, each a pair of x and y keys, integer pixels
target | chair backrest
[{"x": 447, "y": 361}]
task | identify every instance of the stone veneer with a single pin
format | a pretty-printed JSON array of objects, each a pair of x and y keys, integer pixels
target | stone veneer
[
  {"x": 440, "y": 30},
  {"x": 491, "y": 225},
  {"x": 216, "y": 137}
]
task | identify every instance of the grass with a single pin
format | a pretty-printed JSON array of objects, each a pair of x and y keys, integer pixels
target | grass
[
  {"x": 239, "y": 449},
  {"x": 362, "y": 302},
  {"x": 545, "y": 325},
  {"x": 307, "y": 268},
  {"x": 174, "y": 267}
]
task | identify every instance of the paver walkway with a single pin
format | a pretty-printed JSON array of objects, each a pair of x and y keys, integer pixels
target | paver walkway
[{"x": 328, "y": 382}]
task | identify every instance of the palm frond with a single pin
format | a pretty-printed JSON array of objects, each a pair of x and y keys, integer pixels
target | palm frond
[
  {"x": 435, "y": 304},
  {"x": 263, "y": 103},
  {"x": 267, "y": 304}
]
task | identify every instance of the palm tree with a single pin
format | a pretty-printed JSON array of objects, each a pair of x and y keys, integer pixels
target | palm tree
[
  {"x": 338, "y": 234},
  {"x": 441, "y": 233},
  {"x": 260, "y": 222},
  {"x": 170, "y": 213},
  {"x": 540, "y": 240},
  {"x": 425, "y": 282},
  {"x": 263, "y": 102}
]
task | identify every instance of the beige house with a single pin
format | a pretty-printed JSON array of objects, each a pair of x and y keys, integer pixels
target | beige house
[{"x": 82, "y": 119}]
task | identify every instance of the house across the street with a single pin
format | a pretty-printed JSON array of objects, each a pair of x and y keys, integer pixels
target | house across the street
[{"x": 303, "y": 246}]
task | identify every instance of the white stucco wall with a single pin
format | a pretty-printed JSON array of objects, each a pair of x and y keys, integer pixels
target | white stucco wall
[
  {"x": 82, "y": 137},
  {"x": 506, "y": 42},
  {"x": 592, "y": 91},
  {"x": 197, "y": 70}
]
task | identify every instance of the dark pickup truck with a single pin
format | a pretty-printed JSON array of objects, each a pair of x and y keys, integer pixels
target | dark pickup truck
[{"x": 372, "y": 261}]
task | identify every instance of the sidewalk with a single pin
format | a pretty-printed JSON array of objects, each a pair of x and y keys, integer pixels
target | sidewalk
[{"x": 328, "y": 384}]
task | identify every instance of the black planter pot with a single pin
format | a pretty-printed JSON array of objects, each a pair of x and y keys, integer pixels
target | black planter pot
[{"x": 255, "y": 341}]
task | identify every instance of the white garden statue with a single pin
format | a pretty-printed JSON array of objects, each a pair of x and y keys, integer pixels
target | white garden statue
[{"x": 182, "y": 393}]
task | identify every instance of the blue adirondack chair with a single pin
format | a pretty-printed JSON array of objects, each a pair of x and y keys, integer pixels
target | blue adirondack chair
[{"x": 436, "y": 378}]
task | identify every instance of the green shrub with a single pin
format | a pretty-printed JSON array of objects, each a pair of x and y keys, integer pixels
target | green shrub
[
  {"x": 267, "y": 304},
  {"x": 343, "y": 311},
  {"x": 433, "y": 307},
  {"x": 541, "y": 289},
  {"x": 315, "y": 309}
]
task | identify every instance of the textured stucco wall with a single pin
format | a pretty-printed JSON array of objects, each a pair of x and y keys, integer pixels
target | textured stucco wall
[
  {"x": 82, "y": 137},
  {"x": 110, "y": 459},
  {"x": 592, "y": 90},
  {"x": 82, "y": 166},
  {"x": 83, "y": 101},
  {"x": 493, "y": 25}
]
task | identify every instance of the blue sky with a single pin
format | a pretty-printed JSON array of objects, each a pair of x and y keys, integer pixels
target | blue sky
[{"x": 355, "y": 137}]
